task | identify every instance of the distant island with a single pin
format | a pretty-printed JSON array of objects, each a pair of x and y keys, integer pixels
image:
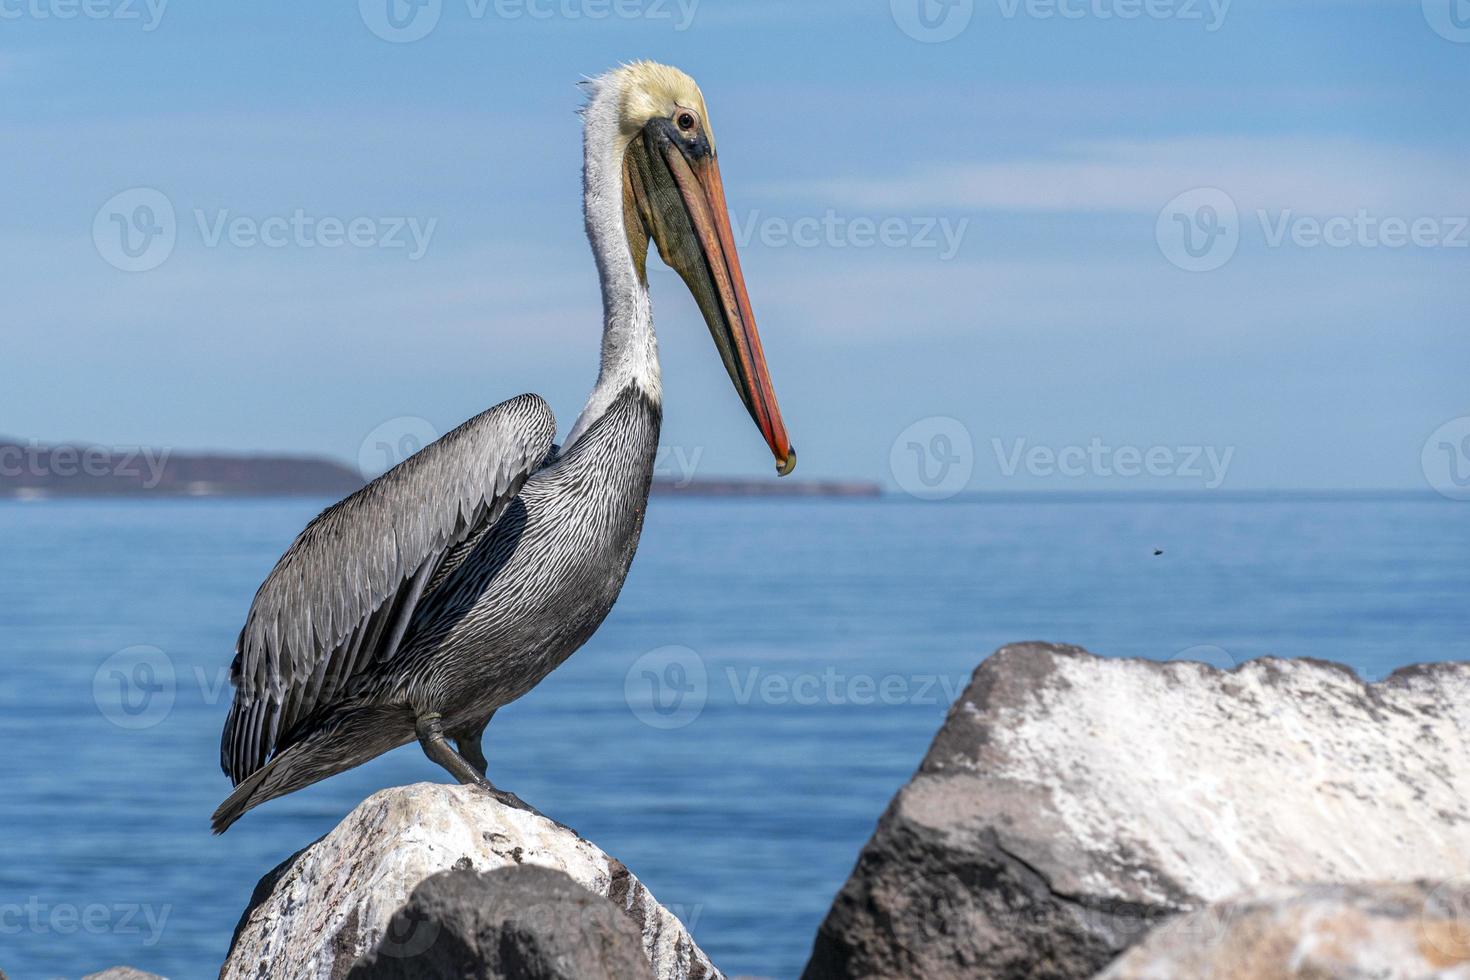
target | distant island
[{"x": 29, "y": 471}]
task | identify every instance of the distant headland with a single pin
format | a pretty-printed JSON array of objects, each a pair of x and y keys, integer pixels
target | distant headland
[{"x": 31, "y": 471}]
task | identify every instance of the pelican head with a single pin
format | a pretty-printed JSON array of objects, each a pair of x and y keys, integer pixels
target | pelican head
[{"x": 674, "y": 196}]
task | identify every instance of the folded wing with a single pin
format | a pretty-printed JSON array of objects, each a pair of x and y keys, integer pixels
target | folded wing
[{"x": 343, "y": 594}]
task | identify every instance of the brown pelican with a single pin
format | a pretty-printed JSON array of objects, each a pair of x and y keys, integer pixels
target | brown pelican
[{"x": 454, "y": 583}]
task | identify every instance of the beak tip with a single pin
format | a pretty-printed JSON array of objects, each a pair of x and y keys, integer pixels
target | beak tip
[{"x": 784, "y": 467}]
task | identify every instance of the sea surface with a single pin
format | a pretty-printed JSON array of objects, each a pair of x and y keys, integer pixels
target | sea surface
[{"x": 773, "y": 673}]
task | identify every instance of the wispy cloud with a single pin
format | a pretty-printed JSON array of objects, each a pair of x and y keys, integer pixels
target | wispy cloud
[{"x": 1329, "y": 176}]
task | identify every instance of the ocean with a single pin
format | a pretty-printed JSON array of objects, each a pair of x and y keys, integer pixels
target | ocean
[{"x": 773, "y": 672}]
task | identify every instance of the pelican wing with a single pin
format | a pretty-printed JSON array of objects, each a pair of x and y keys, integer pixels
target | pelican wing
[{"x": 343, "y": 594}]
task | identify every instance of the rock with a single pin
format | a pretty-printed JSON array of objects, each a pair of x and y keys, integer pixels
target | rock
[
  {"x": 117, "y": 973},
  {"x": 322, "y": 909},
  {"x": 497, "y": 925},
  {"x": 1070, "y": 803},
  {"x": 1384, "y": 931}
]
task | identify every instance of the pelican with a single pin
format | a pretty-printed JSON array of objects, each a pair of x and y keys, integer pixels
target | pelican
[{"x": 457, "y": 581}]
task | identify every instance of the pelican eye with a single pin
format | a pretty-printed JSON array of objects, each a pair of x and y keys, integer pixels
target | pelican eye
[{"x": 685, "y": 121}]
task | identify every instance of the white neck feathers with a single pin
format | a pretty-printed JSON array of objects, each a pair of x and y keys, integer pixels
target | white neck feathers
[{"x": 629, "y": 348}]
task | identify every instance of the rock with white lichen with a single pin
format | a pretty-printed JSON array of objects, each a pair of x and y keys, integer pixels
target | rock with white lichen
[
  {"x": 330, "y": 905},
  {"x": 1395, "y": 931},
  {"x": 117, "y": 973},
  {"x": 1072, "y": 803}
]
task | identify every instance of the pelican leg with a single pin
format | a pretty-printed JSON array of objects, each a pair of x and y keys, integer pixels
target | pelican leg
[
  {"x": 469, "y": 744},
  {"x": 430, "y": 729}
]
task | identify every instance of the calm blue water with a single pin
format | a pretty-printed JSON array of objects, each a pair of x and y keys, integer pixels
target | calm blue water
[{"x": 830, "y": 637}]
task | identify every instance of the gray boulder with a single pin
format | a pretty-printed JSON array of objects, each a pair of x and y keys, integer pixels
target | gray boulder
[
  {"x": 1393, "y": 931},
  {"x": 1071, "y": 803},
  {"x": 313, "y": 917},
  {"x": 510, "y": 924},
  {"x": 117, "y": 973}
]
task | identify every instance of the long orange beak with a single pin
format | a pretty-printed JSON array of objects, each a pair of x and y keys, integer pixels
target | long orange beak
[{"x": 712, "y": 272}]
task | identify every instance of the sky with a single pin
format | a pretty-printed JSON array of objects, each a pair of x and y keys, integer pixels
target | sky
[{"x": 993, "y": 245}]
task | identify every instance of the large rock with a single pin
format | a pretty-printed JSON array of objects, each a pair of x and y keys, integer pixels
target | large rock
[
  {"x": 316, "y": 914},
  {"x": 506, "y": 925},
  {"x": 117, "y": 973},
  {"x": 1070, "y": 803},
  {"x": 1388, "y": 931}
]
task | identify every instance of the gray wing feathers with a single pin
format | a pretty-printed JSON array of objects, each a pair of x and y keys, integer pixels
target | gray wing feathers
[{"x": 342, "y": 595}]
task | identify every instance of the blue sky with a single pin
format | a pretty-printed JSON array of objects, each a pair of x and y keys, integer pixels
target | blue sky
[{"x": 976, "y": 239}]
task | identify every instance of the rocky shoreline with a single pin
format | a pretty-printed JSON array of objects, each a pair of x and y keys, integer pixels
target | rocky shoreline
[{"x": 1075, "y": 817}]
